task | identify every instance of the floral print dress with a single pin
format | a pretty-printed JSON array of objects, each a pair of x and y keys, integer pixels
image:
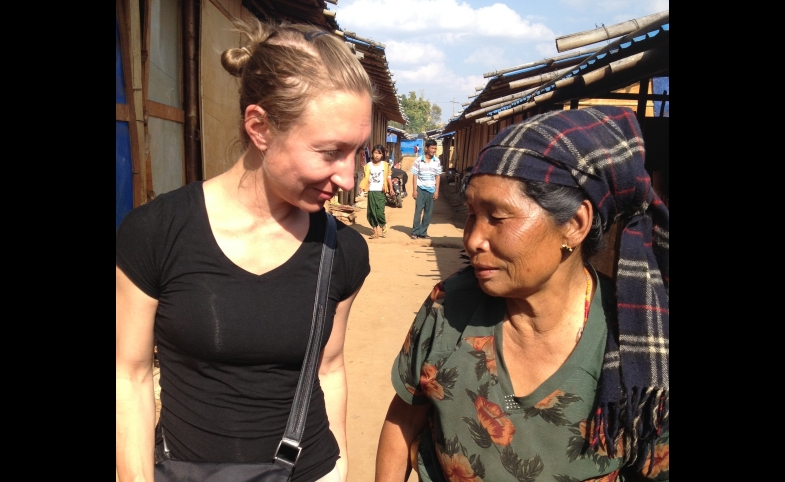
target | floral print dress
[{"x": 478, "y": 429}]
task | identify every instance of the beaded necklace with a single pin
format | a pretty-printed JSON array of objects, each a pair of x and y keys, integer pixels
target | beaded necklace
[{"x": 586, "y": 305}]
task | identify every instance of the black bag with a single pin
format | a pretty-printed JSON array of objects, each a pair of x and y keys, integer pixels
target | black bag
[{"x": 288, "y": 451}]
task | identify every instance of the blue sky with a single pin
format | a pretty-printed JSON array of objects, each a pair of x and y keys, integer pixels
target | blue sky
[{"x": 442, "y": 48}]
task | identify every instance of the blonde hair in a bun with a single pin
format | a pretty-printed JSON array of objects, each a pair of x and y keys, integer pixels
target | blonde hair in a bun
[{"x": 282, "y": 67}]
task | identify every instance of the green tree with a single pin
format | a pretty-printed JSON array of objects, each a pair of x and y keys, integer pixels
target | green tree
[{"x": 423, "y": 116}]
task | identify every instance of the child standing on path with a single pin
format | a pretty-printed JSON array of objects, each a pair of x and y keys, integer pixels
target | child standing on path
[{"x": 379, "y": 182}]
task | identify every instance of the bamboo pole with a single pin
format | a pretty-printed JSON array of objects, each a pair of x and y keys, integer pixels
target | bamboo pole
[
  {"x": 580, "y": 39},
  {"x": 615, "y": 67},
  {"x": 540, "y": 79},
  {"x": 361, "y": 39},
  {"x": 492, "y": 107},
  {"x": 546, "y": 61},
  {"x": 519, "y": 95},
  {"x": 328, "y": 13},
  {"x": 135, "y": 51},
  {"x": 514, "y": 110},
  {"x": 541, "y": 99}
]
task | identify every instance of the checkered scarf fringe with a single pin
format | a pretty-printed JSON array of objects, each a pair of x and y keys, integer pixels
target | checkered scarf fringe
[{"x": 600, "y": 150}]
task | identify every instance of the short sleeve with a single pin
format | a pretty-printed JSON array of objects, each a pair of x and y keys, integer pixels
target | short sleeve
[
  {"x": 356, "y": 261},
  {"x": 139, "y": 246},
  {"x": 416, "y": 347},
  {"x": 439, "y": 168},
  {"x": 415, "y": 169}
]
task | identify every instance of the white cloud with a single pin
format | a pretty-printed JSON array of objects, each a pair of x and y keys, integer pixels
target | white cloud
[
  {"x": 441, "y": 17},
  {"x": 487, "y": 56},
  {"x": 412, "y": 53},
  {"x": 603, "y": 5},
  {"x": 437, "y": 78},
  {"x": 546, "y": 49}
]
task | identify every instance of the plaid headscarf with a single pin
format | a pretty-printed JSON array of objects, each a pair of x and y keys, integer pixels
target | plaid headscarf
[{"x": 600, "y": 150}]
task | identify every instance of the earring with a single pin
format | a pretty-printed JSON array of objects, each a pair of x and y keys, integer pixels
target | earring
[{"x": 566, "y": 248}]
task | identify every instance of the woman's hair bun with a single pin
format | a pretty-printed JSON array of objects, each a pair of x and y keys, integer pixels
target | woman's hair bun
[
  {"x": 254, "y": 33},
  {"x": 233, "y": 60}
]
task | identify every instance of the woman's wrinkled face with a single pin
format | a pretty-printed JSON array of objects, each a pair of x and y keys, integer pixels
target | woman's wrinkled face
[
  {"x": 307, "y": 165},
  {"x": 513, "y": 244}
]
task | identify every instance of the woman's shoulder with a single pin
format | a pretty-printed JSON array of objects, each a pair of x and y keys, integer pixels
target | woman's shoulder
[
  {"x": 456, "y": 298},
  {"x": 350, "y": 240},
  {"x": 164, "y": 209}
]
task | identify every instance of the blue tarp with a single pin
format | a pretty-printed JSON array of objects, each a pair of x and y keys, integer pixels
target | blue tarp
[
  {"x": 661, "y": 84},
  {"x": 124, "y": 194},
  {"x": 407, "y": 146},
  {"x": 392, "y": 137}
]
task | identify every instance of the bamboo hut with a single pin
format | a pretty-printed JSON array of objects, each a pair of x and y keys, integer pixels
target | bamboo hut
[{"x": 622, "y": 72}]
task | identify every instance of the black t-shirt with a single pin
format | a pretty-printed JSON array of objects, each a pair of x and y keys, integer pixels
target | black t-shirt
[{"x": 230, "y": 343}]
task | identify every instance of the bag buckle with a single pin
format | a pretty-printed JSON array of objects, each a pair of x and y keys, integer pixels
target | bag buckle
[{"x": 289, "y": 456}]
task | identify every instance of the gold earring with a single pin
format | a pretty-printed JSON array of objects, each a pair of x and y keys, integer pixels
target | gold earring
[{"x": 564, "y": 247}]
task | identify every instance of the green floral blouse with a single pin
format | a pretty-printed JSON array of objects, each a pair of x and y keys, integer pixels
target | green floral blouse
[{"x": 478, "y": 429}]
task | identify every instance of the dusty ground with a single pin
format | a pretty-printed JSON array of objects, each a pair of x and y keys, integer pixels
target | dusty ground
[{"x": 403, "y": 272}]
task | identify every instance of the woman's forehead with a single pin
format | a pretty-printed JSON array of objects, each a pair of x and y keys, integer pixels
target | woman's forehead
[{"x": 494, "y": 188}]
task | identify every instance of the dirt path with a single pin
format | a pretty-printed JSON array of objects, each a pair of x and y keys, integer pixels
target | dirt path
[{"x": 403, "y": 272}]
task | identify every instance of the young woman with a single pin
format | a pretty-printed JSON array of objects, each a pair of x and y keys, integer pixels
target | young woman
[
  {"x": 379, "y": 184},
  {"x": 222, "y": 273}
]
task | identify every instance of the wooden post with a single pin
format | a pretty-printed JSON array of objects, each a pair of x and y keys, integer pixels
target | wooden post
[
  {"x": 662, "y": 106},
  {"x": 192, "y": 145},
  {"x": 643, "y": 91},
  {"x": 145, "y": 57}
]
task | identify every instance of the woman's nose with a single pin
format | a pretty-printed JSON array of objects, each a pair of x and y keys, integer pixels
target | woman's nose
[
  {"x": 343, "y": 177},
  {"x": 474, "y": 238}
]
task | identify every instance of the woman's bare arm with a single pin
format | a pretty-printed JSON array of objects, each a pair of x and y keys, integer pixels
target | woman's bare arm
[
  {"x": 332, "y": 377},
  {"x": 402, "y": 425},
  {"x": 134, "y": 399}
]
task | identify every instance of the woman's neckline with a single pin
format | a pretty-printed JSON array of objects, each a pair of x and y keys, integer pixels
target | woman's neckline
[
  {"x": 584, "y": 348},
  {"x": 279, "y": 270}
]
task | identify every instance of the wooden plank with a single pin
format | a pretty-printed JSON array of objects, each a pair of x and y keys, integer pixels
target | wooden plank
[
  {"x": 121, "y": 112},
  {"x": 643, "y": 90},
  {"x": 163, "y": 111}
]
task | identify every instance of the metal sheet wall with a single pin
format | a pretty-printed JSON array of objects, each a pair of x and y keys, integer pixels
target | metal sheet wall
[
  {"x": 220, "y": 116},
  {"x": 165, "y": 86},
  {"x": 165, "y": 54},
  {"x": 166, "y": 152}
]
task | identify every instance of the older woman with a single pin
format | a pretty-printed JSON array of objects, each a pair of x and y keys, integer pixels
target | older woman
[{"x": 528, "y": 365}]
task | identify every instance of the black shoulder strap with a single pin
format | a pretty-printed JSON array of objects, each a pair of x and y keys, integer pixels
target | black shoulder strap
[{"x": 289, "y": 448}]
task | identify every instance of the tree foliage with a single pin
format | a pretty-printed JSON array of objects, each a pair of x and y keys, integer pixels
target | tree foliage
[{"x": 423, "y": 116}]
